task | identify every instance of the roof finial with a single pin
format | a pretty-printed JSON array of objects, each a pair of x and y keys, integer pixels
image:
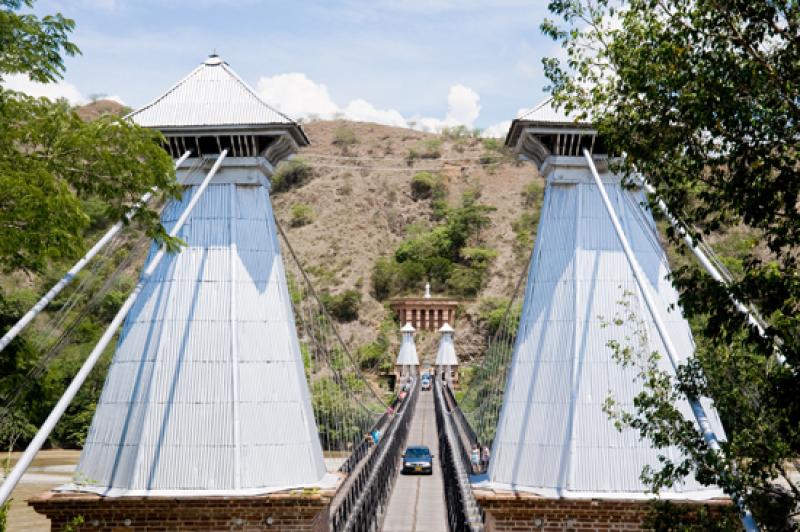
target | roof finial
[
  {"x": 213, "y": 58},
  {"x": 427, "y": 290}
]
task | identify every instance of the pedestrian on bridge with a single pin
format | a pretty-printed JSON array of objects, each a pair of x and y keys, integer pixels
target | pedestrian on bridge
[
  {"x": 485, "y": 455},
  {"x": 475, "y": 459}
]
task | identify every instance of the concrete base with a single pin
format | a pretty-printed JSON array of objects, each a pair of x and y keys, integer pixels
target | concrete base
[
  {"x": 82, "y": 512},
  {"x": 512, "y": 511}
]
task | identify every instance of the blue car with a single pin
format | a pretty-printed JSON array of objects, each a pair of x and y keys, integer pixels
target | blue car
[{"x": 418, "y": 459}]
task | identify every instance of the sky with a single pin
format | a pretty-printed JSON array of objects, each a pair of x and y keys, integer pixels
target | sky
[{"x": 419, "y": 63}]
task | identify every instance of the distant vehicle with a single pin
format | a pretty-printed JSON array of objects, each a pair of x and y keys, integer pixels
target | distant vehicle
[
  {"x": 426, "y": 384},
  {"x": 417, "y": 459}
]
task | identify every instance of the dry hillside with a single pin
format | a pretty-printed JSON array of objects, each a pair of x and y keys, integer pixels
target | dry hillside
[{"x": 361, "y": 206}]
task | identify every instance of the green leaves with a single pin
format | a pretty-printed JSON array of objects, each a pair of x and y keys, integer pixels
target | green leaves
[
  {"x": 50, "y": 160},
  {"x": 703, "y": 98},
  {"x": 442, "y": 255},
  {"x": 31, "y": 45}
]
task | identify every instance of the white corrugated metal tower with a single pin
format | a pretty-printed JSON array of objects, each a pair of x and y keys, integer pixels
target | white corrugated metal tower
[
  {"x": 206, "y": 393},
  {"x": 407, "y": 359},
  {"x": 553, "y": 437},
  {"x": 446, "y": 355},
  {"x": 446, "y": 359}
]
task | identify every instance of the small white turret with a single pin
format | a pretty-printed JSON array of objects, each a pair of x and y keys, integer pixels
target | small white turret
[
  {"x": 446, "y": 359},
  {"x": 407, "y": 359}
]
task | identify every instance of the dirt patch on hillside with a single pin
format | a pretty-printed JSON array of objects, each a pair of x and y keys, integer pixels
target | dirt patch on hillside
[{"x": 362, "y": 205}]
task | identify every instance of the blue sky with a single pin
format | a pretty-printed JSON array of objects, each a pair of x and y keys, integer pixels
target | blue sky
[{"x": 431, "y": 63}]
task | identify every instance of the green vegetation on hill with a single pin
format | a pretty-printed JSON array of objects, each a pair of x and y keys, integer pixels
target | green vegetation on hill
[
  {"x": 291, "y": 174},
  {"x": 449, "y": 255}
]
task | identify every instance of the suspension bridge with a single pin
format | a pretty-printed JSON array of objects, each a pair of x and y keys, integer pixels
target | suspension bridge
[{"x": 233, "y": 403}]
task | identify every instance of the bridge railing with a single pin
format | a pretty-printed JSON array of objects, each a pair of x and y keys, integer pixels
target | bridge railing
[
  {"x": 363, "y": 449},
  {"x": 466, "y": 434},
  {"x": 463, "y": 513},
  {"x": 361, "y": 503}
]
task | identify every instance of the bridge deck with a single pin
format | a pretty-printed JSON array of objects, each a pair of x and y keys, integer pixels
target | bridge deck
[{"x": 417, "y": 502}]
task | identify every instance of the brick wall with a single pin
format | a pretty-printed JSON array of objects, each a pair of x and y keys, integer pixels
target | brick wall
[
  {"x": 284, "y": 512},
  {"x": 507, "y": 512}
]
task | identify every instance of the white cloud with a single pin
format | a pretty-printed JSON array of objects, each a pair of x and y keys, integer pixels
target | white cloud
[
  {"x": 501, "y": 128},
  {"x": 497, "y": 130},
  {"x": 364, "y": 111},
  {"x": 463, "y": 106},
  {"x": 299, "y": 96},
  {"x": 114, "y": 98},
  {"x": 54, "y": 91}
]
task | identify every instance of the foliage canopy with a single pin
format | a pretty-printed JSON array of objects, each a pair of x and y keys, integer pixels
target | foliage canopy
[{"x": 703, "y": 98}]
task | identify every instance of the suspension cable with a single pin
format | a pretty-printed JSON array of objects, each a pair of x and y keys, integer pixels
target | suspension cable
[
  {"x": 327, "y": 315},
  {"x": 70, "y": 275},
  {"x": 701, "y": 417},
  {"x": 44, "y": 431}
]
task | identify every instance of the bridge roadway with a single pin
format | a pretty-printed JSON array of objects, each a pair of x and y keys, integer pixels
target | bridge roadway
[{"x": 417, "y": 501}]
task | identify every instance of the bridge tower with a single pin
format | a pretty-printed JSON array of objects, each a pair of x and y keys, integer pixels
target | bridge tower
[
  {"x": 557, "y": 459},
  {"x": 206, "y": 413},
  {"x": 407, "y": 360},
  {"x": 446, "y": 358}
]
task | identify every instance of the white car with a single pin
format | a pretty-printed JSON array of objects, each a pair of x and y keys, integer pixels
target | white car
[{"x": 426, "y": 384}]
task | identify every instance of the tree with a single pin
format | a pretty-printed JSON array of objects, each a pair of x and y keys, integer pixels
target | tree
[
  {"x": 61, "y": 181},
  {"x": 703, "y": 98},
  {"x": 51, "y": 161}
]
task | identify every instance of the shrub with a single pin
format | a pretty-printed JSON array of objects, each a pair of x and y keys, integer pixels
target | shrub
[
  {"x": 439, "y": 208},
  {"x": 343, "y": 307},
  {"x": 383, "y": 278},
  {"x": 490, "y": 144},
  {"x": 489, "y": 158},
  {"x": 428, "y": 149},
  {"x": 422, "y": 185},
  {"x": 301, "y": 215},
  {"x": 457, "y": 132},
  {"x": 465, "y": 281},
  {"x": 425, "y": 185},
  {"x": 532, "y": 193},
  {"x": 291, "y": 174},
  {"x": 525, "y": 230},
  {"x": 344, "y": 137},
  {"x": 443, "y": 255},
  {"x": 478, "y": 257},
  {"x": 492, "y": 315},
  {"x": 376, "y": 355}
]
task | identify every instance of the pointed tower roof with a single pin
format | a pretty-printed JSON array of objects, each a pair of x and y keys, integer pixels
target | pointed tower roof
[
  {"x": 211, "y": 95},
  {"x": 553, "y": 437},
  {"x": 446, "y": 355},
  {"x": 408, "y": 349}
]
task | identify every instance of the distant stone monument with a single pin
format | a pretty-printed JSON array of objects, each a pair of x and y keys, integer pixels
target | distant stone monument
[{"x": 426, "y": 313}]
